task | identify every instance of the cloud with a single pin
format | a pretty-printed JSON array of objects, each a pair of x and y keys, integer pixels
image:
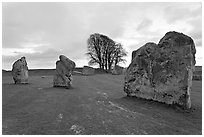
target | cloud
[
  {"x": 196, "y": 32},
  {"x": 43, "y": 31},
  {"x": 144, "y": 25},
  {"x": 181, "y": 11},
  {"x": 35, "y": 60}
]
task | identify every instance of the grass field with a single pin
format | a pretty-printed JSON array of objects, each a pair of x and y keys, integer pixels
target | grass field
[{"x": 95, "y": 105}]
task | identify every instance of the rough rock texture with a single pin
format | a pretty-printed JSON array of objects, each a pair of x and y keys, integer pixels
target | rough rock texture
[
  {"x": 20, "y": 71},
  {"x": 88, "y": 70},
  {"x": 133, "y": 54},
  {"x": 163, "y": 72},
  {"x": 117, "y": 70},
  {"x": 63, "y": 76}
]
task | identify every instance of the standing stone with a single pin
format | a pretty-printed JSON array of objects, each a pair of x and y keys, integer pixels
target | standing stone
[
  {"x": 163, "y": 72},
  {"x": 117, "y": 70},
  {"x": 63, "y": 76},
  {"x": 88, "y": 70},
  {"x": 133, "y": 54},
  {"x": 20, "y": 71}
]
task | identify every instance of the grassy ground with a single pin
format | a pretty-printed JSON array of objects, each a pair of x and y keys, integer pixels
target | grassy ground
[{"x": 95, "y": 105}]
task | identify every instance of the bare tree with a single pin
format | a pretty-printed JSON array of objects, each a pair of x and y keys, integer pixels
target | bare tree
[
  {"x": 94, "y": 49},
  {"x": 119, "y": 54},
  {"x": 104, "y": 51}
]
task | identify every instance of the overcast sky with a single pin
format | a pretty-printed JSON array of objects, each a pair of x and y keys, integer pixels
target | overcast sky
[{"x": 43, "y": 31}]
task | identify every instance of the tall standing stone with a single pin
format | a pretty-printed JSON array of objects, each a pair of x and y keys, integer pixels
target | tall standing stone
[
  {"x": 133, "y": 54},
  {"x": 63, "y": 76},
  {"x": 20, "y": 71},
  {"x": 163, "y": 72}
]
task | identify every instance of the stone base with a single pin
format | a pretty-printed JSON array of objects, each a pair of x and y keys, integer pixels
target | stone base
[
  {"x": 20, "y": 77},
  {"x": 62, "y": 81},
  {"x": 21, "y": 82}
]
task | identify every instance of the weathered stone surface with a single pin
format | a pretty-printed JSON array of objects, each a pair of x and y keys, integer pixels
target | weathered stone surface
[
  {"x": 117, "y": 70},
  {"x": 163, "y": 72},
  {"x": 88, "y": 70},
  {"x": 63, "y": 76},
  {"x": 20, "y": 71},
  {"x": 133, "y": 54},
  {"x": 69, "y": 64}
]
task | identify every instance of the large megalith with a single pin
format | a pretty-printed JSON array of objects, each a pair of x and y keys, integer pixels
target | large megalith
[
  {"x": 88, "y": 70},
  {"x": 20, "y": 71},
  {"x": 133, "y": 54},
  {"x": 163, "y": 72},
  {"x": 63, "y": 76}
]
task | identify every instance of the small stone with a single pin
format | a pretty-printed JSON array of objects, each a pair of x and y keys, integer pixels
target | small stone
[
  {"x": 77, "y": 129},
  {"x": 117, "y": 70},
  {"x": 88, "y": 70},
  {"x": 60, "y": 116},
  {"x": 20, "y": 71}
]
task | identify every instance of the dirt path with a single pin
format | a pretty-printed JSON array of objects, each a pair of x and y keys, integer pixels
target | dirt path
[{"x": 95, "y": 105}]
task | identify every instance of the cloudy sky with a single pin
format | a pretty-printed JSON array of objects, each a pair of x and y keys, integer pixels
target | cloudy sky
[{"x": 43, "y": 31}]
